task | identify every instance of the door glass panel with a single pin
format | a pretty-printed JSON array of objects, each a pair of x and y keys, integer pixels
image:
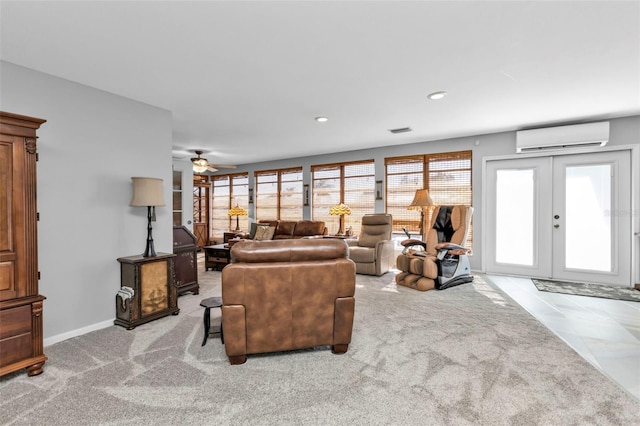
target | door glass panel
[
  {"x": 588, "y": 221},
  {"x": 515, "y": 190}
]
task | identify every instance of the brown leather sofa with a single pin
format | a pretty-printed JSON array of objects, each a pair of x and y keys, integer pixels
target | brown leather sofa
[
  {"x": 288, "y": 229},
  {"x": 286, "y": 295}
]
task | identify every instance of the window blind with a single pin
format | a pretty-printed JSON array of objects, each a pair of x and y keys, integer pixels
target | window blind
[
  {"x": 227, "y": 191},
  {"x": 351, "y": 183},
  {"x": 279, "y": 194},
  {"x": 446, "y": 175}
]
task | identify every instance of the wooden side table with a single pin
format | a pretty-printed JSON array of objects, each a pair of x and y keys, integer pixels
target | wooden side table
[
  {"x": 216, "y": 256},
  {"x": 229, "y": 235},
  {"x": 147, "y": 290}
]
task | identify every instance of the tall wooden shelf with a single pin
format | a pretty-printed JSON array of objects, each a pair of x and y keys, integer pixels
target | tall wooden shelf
[{"x": 21, "y": 339}]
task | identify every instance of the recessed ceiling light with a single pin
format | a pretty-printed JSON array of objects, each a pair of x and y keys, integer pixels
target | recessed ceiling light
[
  {"x": 437, "y": 95},
  {"x": 322, "y": 119}
]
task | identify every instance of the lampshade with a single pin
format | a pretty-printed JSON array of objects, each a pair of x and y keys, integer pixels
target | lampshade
[
  {"x": 340, "y": 209},
  {"x": 146, "y": 192},
  {"x": 237, "y": 211},
  {"x": 420, "y": 200}
]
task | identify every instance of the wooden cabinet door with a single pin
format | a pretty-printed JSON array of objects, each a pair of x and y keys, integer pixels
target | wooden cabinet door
[
  {"x": 7, "y": 248},
  {"x": 18, "y": 246},
  {"x": 200, "y": 231}
]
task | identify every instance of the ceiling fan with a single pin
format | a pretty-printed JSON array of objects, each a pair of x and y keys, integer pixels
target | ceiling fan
[{"x": 201, "y": 164}]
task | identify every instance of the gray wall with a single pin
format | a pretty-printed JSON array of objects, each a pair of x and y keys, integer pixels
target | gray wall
[{"x": 91, "y": 145}]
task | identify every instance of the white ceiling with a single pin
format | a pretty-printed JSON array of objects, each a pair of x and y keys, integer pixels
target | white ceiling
[{"x": 245, "y": 79}]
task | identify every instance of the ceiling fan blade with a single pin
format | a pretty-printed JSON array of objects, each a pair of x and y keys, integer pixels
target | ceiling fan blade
[
  {"x": 211, "y": 168},
  {"x": 224, "y": 166}
]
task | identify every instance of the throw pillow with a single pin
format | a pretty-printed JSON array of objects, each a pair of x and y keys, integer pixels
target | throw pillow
[
  {"x": 264, "y": 233},
  {"x": 254, "y": 228}
]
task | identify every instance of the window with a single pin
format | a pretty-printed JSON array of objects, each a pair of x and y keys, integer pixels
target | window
[
  {"x": 279, "y": 194},
  {"x": 227, "y": 191},
  {"x": 350, "y": 183},
  {"x": 446, "y": 175}
]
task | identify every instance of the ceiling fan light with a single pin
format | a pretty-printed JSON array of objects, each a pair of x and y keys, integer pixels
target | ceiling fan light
[
  {"x": 202, "y": 162},
  {"x": 199, "y": 169}
]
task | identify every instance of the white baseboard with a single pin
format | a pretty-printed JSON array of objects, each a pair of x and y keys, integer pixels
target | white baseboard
[{"x": 78, "y": 332}]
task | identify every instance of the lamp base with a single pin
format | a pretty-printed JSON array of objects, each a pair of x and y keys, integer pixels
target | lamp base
[
  {"x": 149, "y": 251},
  {"x": 341, "y": 230}
]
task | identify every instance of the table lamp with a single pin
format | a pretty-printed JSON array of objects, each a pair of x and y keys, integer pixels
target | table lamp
[
  {"x": 340, "y": 209},
  {"x": 147, "y": 192},
  {"x": 237, "y": 212}
]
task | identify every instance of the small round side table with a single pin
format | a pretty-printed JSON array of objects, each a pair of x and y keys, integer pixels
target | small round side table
[{"x": 211, "y": 302}]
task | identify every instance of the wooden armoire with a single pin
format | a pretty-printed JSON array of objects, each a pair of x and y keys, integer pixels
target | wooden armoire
[{"x": 21, "y": 342}]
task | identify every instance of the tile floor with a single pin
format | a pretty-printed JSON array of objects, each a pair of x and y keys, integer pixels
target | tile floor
[{"x": 604, "y": 332}]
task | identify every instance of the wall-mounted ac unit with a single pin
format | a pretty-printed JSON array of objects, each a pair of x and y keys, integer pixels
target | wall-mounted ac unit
[{"x": 560, "y": 137}]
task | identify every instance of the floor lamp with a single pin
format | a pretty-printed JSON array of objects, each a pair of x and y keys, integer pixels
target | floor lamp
[
  {"x": 147, "y": 192},
  {"x": 421, "y": 201}
]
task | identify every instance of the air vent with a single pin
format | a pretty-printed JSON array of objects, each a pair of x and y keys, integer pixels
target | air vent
[{"x": 400, "y": 130}]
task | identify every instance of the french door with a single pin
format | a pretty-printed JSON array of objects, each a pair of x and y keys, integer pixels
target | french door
[{"x": 563, "y": 217}]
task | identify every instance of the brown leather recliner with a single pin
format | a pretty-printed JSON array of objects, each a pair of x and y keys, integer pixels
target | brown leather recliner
[{"x": 287, "y": 294}]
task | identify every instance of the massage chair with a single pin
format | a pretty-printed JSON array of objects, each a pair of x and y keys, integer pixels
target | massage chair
[{"x": 442, "y": 260}]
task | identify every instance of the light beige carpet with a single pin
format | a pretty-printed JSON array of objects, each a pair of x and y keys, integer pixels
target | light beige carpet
[{"x": 468, "y": 355}]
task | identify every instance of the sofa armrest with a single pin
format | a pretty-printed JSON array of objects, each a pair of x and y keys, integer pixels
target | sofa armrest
[
  {"x": 385, "y": 256},
  {"x": 235, "y": 332},
  {"x": 352, "y": 242},
  {"x": 343, "y": 320},
  {"x": 384, "y": 247}
]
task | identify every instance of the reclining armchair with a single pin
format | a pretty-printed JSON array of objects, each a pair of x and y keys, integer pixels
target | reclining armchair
[
  {"x": 444, "y": 262},
  {"x": 373, "y": 250},
  {"x": 287, "y": 294}
]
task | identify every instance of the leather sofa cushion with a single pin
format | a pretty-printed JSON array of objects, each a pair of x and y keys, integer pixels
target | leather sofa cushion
[
  {"x": 305, "y": 228},
  {"x": 285, "y": 229},
  {"x": 373, "y": 235},
  {"x": 362, "y": 254},
  {"x": 377, "y": 229}
]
